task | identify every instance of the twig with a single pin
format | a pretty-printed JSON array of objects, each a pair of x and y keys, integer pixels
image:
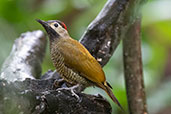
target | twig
[{"x": 133, "y": 70}]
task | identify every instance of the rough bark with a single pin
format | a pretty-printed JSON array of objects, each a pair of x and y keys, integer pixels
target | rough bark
[
  {"x": 38, "y": 97},
  {"x": 25, "y": 58},
  {"x": 104, "y": 33},
  {"x": 133, "y": 70}
]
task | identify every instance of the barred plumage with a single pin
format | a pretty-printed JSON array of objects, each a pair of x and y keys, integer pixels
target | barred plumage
[{"x": 67, "y": 73}]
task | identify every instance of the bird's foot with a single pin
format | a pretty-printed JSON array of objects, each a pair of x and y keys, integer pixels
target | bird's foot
[
  {"x": 58, "y": 83},
  {"x": 72, "y": 89}
]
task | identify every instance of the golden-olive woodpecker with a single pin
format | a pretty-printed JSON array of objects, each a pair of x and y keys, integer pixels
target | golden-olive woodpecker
[{"x": 73, "y": 61}]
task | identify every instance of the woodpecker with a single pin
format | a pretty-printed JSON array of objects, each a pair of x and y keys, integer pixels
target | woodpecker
[{"x": 73, "y": 61}]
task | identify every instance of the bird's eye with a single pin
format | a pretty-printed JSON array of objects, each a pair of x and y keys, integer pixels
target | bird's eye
[{"x": 56, "y": 25}]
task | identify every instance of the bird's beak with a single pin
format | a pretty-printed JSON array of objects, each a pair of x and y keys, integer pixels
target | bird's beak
[
  {"x": 51, "y": 32},
  {"x": 43, "y": 23}
]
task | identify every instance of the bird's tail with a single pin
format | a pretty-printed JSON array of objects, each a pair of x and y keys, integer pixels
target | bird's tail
[{"x": 106, "y": 86}]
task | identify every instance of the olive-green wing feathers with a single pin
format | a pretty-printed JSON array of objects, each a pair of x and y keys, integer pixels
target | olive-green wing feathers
[{"x": 81, "y": 60}]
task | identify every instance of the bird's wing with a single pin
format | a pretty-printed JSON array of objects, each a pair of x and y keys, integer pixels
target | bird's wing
[{"x": 78, "y": 58}]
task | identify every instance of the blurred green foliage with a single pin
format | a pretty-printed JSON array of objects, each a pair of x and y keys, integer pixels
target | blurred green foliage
[{"x": 18, "y": 16}]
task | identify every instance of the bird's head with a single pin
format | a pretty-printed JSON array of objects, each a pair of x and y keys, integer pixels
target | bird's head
[{"x": 54, "y": 28}]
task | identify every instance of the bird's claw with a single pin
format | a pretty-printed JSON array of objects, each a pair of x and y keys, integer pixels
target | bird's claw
[
  {"x": 58, "y": 83},
  {"x": 72, "y": 91},
  {"x": 74, "y": 94}
]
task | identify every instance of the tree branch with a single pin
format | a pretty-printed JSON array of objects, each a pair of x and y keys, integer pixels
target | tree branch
[
  {"x": 133, "y": 70},
  {"x": 104, "y": 33},
  {"x": 27, "y": 95},
  {"x": 25, "y": 58},
  {"x": 38, "y": 97}
]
